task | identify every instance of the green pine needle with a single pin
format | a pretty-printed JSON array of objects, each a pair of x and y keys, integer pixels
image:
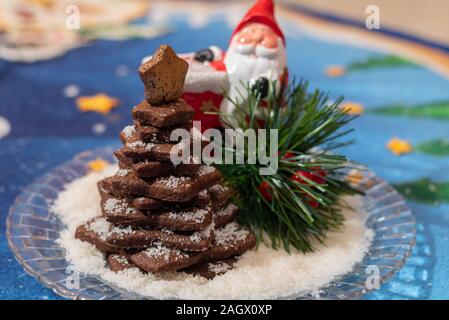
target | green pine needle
[{"x": 309, "y": 126}]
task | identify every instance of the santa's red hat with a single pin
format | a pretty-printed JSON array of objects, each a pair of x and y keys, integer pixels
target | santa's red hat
[{"x": 261, "y": 12}]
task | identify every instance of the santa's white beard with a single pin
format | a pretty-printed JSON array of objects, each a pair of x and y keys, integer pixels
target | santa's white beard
[
  {"x": 245, "y": 64},
  {"x": 249, "y": 66}
]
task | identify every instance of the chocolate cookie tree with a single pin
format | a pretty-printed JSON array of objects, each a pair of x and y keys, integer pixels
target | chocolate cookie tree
[{"x": 157, "y": 216}]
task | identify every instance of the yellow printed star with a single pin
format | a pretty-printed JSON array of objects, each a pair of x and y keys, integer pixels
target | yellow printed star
[
  {"x": 335, "y": 71},
  {"x": 97, "y": 164},
  {"x": 399, "y": 146},
  {"x": 100, "y": 103},
  {"x": 352, "y": 108}
]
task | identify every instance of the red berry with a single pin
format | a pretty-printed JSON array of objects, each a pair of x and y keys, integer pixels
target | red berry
[
  {"x": 316, "y": 175},
  {"x": 298, "y": 174},
  {"x": 265, "y": 190},
  {"x": 288, "y": 155},
  {"x": 313, "y": 203},
  {"x": 319, "y": 175}
]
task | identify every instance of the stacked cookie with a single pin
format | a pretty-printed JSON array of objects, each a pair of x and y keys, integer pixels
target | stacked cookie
[{"x": 157, "y": 216}]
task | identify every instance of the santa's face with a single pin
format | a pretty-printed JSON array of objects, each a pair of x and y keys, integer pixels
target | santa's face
[
  {"x": 256, "y": 51},
  {"x": 257, "y": 34}
]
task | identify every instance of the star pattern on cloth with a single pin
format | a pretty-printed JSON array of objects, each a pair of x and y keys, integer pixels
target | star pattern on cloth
[
  {"x": 335, "y": 71},
  {"x": 100, "y": 103},
  {"x": 399, "y": 147},
  {"x": 352, "y": 108},
  {"x": 97, "y": 165}
]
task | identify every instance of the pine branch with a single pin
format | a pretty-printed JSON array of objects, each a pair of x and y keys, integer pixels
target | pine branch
[{"x": 297, "y": 211}]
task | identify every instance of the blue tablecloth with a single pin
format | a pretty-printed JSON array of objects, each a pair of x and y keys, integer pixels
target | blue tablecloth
[{"x": 48, "y": 129}]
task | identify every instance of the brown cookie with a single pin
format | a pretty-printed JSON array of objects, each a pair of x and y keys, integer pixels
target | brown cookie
[
  {"x": 231, "y": 240},
  {"x": 220, "y": 195},
  {"x": 121, "y": 213},
  {"x": 163, "y": 76},
  {"x": 143, "y": 238},
  {"x": 160, "y": 135},
  {"x": 141, "y": 151},
  {"x": 160, "y": 259},
  {"x": 84, "y": 233},
  {"x": 125, "y": 184},
  {"x": 193, "y": 219},
  {"x": 225, "y": 215},
  {"x": 116, "y": 210},
  {"x": 144, "y": 203},
  {"x": 180, "y": 189},
  {"x": 165, "y": 115},
  {"x": 150, "y": 134},
  {"x": 179, "y": 218},
  {"x": 149, "y": 204},
  {"x": 118, "y": 262},
  {"x": 148, "y": 168},
  {"x": 137, "y": 150},
  {"x": 104, "y": 187},
  {"x": 112, "y": 239},
  {"x": 173, "y": 189},
  {"x": 210, "y": 270}
]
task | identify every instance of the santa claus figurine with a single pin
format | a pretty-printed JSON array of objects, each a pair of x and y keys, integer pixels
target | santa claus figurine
[{"x": 256, "y": 56}]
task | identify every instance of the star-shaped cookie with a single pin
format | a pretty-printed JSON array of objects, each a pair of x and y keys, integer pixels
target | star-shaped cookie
[{"x": 163, "y": 76}]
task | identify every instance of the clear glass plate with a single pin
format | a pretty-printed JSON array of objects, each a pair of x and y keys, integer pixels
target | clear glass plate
[{"x": 32, "y": 232}]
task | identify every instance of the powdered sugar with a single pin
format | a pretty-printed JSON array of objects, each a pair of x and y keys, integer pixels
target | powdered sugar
[
  {"x": 219, "y": 267},
  {"x": 129, "y": 131},
  {"x": 136, "y": 144},
  {"x": 149, "y": 146},
  {"x": 160, "y": 251},
  {"x": 204, "y": 170},
  {"x": 122, "y": 172},
  {"x": 167, "y": 231},
  {"x": 101, "y": 227},
  {"x": 105, "y": 229},
  {"x": 203, "y": 234},
  {"x": 208, "y": 231},
  {"x": 172, "y": 181},
  {"x": 195, "y": 237},
  {"x": 195, "y": 215},
  {"x": 111, "y": 205},
  {"x": 230, "y": 234},
  {"x": 141, "y": 144},
  {"x": 120, "y": 232},
  {"x": 121, "y": 259},
  {"x": 283, "y": 274},
  {"x": 114, "y": 206}
]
